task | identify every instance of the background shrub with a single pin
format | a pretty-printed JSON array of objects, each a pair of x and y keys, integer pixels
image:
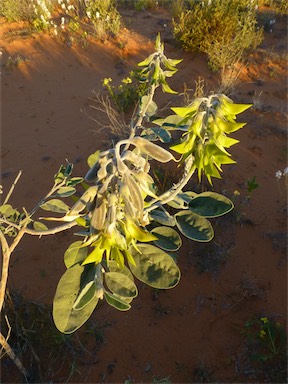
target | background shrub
[{"x": 224, "y": 29}]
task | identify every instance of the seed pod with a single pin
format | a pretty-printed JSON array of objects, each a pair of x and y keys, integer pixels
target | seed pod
[
  {"x": 122, "y": 168},
  {"x": 98, "y": 217},
  {"x": 135, "y": 192},
  {"x": 155, "y": 151}
]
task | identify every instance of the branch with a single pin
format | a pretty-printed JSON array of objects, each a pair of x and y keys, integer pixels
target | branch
[
  {"x": 12, "y": 355},
  {"x": 51, "y": 231},
  {"x": 12, "y": 187}
]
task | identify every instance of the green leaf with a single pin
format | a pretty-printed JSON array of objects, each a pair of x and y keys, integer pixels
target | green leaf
[
  {"x": 85, "y": 296},
  {"x": 66, "y": 319},
  {"x": 66, "y": 191},
  {"x": 113, "y": 267},
  {"x": 168, "y": 238},
  {"x": 157, "y": 134},
  {"x": 210, "y": 204},
  {"x": 74, "y": 181},
  {"x": 38, "y": 226},
  {"x": 120, "y": 284},
  {"x": 173, "y": 121},
  {"x": 154, "y": 267},
  {"x": 55, "y": 205},
  {"x": 152, "y": 108},
  {"x": 193, "y": 226},
  {"x": 92, "y": 159},
  {"x": 7, "y": 210},
  {"x": 162, "y": 217},
  {"x": 74, "y": 254},
  {"x": 116, "y": 302},
  {"x": 147, "y": 61}
]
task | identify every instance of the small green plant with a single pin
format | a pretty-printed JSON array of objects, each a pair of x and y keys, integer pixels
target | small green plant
[
  {"x": 268, "y": 336},
  {"x": 14, "y": 62},
  {"x": 252, "y": 185},
  {"x": 126, "y": 228},
  {"x": 127, "y": 93}
]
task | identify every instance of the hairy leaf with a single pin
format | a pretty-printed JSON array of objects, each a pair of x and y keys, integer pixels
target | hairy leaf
[
  {"x": 210, "y": 204},
  {"x": 154, "y": 267},
  {"x": 66, "y": 319},
  {"x": 55, "y": 205},
  {"x": 168, "y": 238},
  {"x": 116, "y": 302},
  {"x": 194, "y": 227},
  {"x": 120, "y": 284},
  {"x": 75, "y": 253}
]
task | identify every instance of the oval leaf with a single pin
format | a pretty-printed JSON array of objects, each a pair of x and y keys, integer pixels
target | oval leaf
[
  {"x": 66, "y": 319},
  {"x": 116, "y": 302},
  {"x": 66, "y": 191},
  {"x": 55, "y": 205},
  {"x": 120, "y": 284},
  {"x": 85, "y": 296},
  {"x": 162, "y": 217},
  {"x": 75, "y": 254},
  {"x": 168, "y": 238},
  {"x": 154, "y": 267},
  {"x": 193, "y": 226},
  {"x": 210, "y": 204},
  {"x": 38, "y": 226}
]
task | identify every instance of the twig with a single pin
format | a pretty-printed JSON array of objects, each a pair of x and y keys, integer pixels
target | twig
[
  {"x": 12, "y": 355},
  {"x": 12, "y": 187}
]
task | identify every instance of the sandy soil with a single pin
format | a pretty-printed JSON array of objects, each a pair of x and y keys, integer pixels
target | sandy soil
[{"x": 45, "y": 120}]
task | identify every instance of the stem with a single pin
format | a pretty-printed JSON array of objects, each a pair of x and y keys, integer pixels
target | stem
[
  {"x": 12, "y": 188},
  {"x": 12, "y": 355}
]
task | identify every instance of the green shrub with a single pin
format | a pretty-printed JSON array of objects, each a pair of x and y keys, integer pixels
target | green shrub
[
  {"x": 224, "y": 29},
  {"x": 16, "y": 10},
  {"x": 104, "y": 16}
]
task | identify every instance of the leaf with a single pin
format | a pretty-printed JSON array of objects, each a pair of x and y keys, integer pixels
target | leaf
[
  {"x": 66, "y": 319},
  {"x": 7, "y": 210},
  {"x": 75, "y": 253},
  {"x": 38, "y": 226},
  {"x": 151, "y": 109},
  {"x": 155, "y": 133},
  {"x": 74, "y": 181},
  {"x": 113, "y": 267},
  {"x": 55, "y": 205},
  {"x": 162, "y": 217},
  {"x": 146, "y": 61},
  {"x": 154, "y": 267},
  {"x": 210, "y": 204},
  {"x": 173, "y": 121},
  {"x": 168, "y": 238},
  {"x": 120, "y": 284},
  {"x": 92, "y": 159},
  {"x": 193, "y": 226},
  {"x": 116, "y": 302},
  {"x": 86, "y": 295},
  {"x": 66, "y": 191}
]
